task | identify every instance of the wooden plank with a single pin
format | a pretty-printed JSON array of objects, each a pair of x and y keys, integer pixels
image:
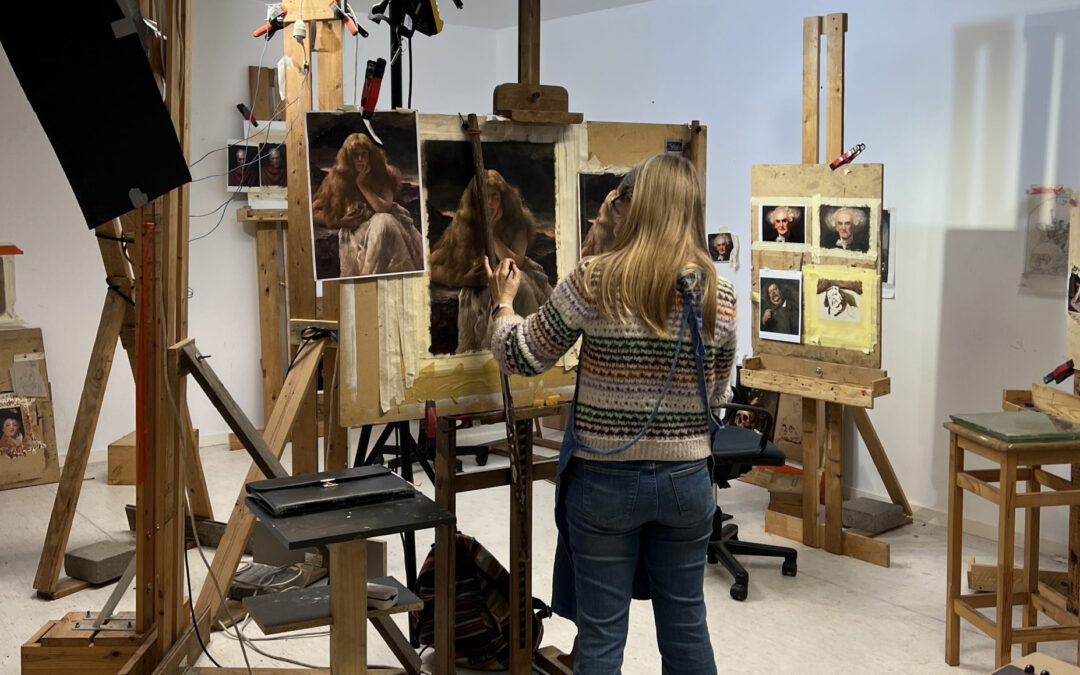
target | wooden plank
[
  {"x": 1044, "y": 634},
  {"x": 1056, "y": 402},
  {"x": 121, "y": 460},
  {"x": 985, "y": 600},
  {"x": 241, "y": 521},
  {"x": 809, "y": 388},
  {"x": 489, "y": 478},
  {"x": 299, "y": 265},
  {"x": 521, "y": 518},
  {"x": 834, "y": 472},
  {"x": 397, "y": 643},
  {"x": 1035, "y": 499},
  {"x": 348, "y": 607},
  {"x": 445, "y": 546},
  {"x": 810, "y": 462},
  {"x": 82, "y": 436},
  {"x": 979, "y": 487},
  {"x": 249, "y": 215},
  {"x": 833, "y": 372},
  {"x": 308, "y": 11},
  {"x": 881, "y": 459},
  {"x": 835, "y": 27},
  {"x": 855, "y": 545},
  {"x": 529, "y": 41},
  {"x": 983, "y": 577},
  {"x": 272, "y": 352},
  {"x": 230, "y": 410},
  {"x": 63, "y": 633},
  {"x": 811, "y": 107},
  {"x": 198, "y": 493},
  {"x": 974, "y": 617},
  {"x": 297, "y": 326}
]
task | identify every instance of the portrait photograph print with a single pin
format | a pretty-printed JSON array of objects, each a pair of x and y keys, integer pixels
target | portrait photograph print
[
  {"x": 272, "y": 169},
  {"x": 521, "y": 203},
  {"x": 780, "y": 308},
  {"x": 839, "y": 300},
  {"x": 25, "y": 459},
  {"x": 601, "y": 209},
  {"x": 366, "y": 219},
  {"x": 722, "y": 246},
  {"x": 782, "y": 222},
  {"x": 846, "y": 229},
  {"x": 1074, "y": 290},
  {"x": 243, "y": 169}
]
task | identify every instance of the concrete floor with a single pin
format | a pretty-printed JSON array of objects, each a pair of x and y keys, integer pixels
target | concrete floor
[{"x": 836, "y": 613}]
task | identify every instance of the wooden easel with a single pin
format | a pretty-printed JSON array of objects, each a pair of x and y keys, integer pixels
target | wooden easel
[{"x": 827, "y": 382}]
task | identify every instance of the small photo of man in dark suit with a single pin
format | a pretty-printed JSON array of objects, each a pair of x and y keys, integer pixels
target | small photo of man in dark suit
[
  {"x": 846, "y": 228},
  {"x": 783, "y": 224}
]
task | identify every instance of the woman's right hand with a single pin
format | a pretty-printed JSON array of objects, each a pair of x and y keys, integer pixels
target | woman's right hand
[{"x": 503, "y": 281}]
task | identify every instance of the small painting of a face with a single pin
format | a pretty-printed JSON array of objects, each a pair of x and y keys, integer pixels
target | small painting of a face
[
  {"x": 780, "y": 316},
  {"x": 721, "y": 246},
  {"x": 243, "y": 166},
  {"x": 13, "y": 437},
  {"x": 782, "y": 223},
  {"x": 845, "y": 228},
  {"x": 840, "y": 300}
]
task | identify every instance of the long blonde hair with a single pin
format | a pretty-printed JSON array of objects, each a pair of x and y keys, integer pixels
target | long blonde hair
[{"x": 662, "y": 236}]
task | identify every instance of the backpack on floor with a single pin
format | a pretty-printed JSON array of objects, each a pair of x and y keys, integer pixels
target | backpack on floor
[{"x": 482, "y": 610}]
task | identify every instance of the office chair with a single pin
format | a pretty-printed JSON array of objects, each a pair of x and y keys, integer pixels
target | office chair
[{"x": 743, "y": 449}]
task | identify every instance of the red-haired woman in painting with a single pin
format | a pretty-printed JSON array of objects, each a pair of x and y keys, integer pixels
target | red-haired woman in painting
[
  {"x": 457, "y": 260},
  {"x": 376, "y": 235}
]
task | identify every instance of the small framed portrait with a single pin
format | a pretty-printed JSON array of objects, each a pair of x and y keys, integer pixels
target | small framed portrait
[
  {"x": 782, "y": 222},
  {"x": 722, "y": 247},
  {"x": 780, "y": 307},
  {"x": 243, "y": 169},
  {"x": 839, "y": 300},
  {"x": 1074, "y": 291},
  {"x": 272, "y": 169},
  {"x": 845, "y": 228}
]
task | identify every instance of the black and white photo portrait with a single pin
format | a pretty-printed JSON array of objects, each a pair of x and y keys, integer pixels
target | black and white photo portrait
[{"x": 780, "y": 316}]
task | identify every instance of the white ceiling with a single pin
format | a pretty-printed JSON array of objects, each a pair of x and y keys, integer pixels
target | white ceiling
[{"x": 503, "y": 13}]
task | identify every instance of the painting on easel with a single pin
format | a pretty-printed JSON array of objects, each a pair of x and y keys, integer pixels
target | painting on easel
[
  {"x": 601, "y": 209},
  {"x": 365, "y": 196},
  {"x": 521, "y": 200},
  {"x": 781, "y": 306},
  {"x": 25, "y": 459}
]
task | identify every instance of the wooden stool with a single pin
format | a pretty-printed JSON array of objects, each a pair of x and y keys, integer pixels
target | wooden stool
[{"x": 1018, "y": 460}]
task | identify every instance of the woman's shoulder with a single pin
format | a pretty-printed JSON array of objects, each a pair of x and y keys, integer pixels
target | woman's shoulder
[{"x": 725, "y": 290}]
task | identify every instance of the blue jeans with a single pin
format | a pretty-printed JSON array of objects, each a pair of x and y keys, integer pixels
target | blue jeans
[{"x": 663, "y": 512}]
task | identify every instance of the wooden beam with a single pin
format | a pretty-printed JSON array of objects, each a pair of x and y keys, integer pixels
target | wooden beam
[
  {"x": 195, "y": 364},
  {"x": 82, "y": 437},
  {"x": 811, "y": 495},
  {"x": 881, "y": 459},
  {"x": 834, "y": 475},
  {"x": 445, "y": 545},
  {"x": 807, "y": 386},
  {"x": 348, "y": 607},
  {"x": 529, "y": 42},
  {"x": 241, "y": 520},
  {"x": 521, "y": 517},
  {"x": 835, "y": 27},
  {"x": 271, "y": 350},
  {"x": 811, "y": 108},
  {"x": 299, "y": 265},
  {"x": 855, "y": 545}
]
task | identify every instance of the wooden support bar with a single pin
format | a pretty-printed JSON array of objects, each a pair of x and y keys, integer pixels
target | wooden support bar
[
  {"x": 954, "y": 553},
  {"x": 299, "y": 268},
  {"x": 241, "y": 521},
  {"x": 1045, "y": 634},
  {"x": 521, "y": 517},
  {"x": 1073, "y": 596},
  {"x": 1031, "y": 562},
  {"x": 489, "y": 478},
  {"x": 1006, "y": 540},
  {"x": 82, "y": 436},
  {"x": 881, "y": 459},
  {"x": 529, "y": 42},
  {"x": 985, "y": 600},
  {"x": 808, "y": 386},
  {"x": 979, "y": 487},
  {"x": 234, "y": 416},
  {"x": 445, "y": 545},
  {"x": 397, "y": 643},
  {"x": 1035, "y": 499},
  {"x": 854, "y": 545},
  {"x": 196, "y": 479},
  {"x": 835, "y": 27},
  {"x": 811, "y": 109},
  {"x": 974, "y": 617},
  {"x": 272, "y": 352},
  {"x": 1046, "y": 479},
  {"x": 811, "y": 496},
  {"x": 149, "y": 301},
  {"x": 834, "y": 486},
  {"x": 1051, "y": 609},
  {"x": 348, "y": 607}
]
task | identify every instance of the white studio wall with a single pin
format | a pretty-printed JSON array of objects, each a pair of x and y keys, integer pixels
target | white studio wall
[{"x": 965, "y": 111}]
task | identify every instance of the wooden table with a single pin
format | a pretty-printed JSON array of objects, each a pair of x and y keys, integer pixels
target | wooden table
[
  {"x": 343, "y": 532},
  {"x": 1017, "y": 461}
]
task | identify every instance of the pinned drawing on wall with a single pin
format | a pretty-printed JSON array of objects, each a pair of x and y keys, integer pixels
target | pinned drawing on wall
[
  {"x": 1046, "y": 251},
  {"x": 521, "y": 201},
  {"x": 840, "y": 307},
  {"x": 780, "y": 308},
  {"x": 601, "y": 209},
  {"x": 782, "y": 221},
  {"x": 365, "y": 199},
  {"x": 888, "y": 253},
  {"x": 1074, "y": 290},
  {"x": 724, "y": 249}
]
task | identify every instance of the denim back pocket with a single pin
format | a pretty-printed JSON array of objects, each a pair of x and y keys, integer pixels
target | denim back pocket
[
  {"x": 692, "y": 486},
  {"x": 610, "y": 494}
]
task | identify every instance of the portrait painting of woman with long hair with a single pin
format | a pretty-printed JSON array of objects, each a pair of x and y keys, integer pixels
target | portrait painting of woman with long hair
[{"x": 360, "y": 201}]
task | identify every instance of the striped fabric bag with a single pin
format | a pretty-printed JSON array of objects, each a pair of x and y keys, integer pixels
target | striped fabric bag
[{"x": 482, "y": 612}]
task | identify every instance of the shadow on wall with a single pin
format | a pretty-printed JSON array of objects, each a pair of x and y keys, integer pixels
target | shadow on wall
[{"x": 991, "y": 337}]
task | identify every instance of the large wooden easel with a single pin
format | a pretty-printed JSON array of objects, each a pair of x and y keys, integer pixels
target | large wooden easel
[{"x": 829, "y": 380}]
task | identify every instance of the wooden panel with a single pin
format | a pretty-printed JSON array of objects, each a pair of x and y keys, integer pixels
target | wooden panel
[
  {"x": 864, "y": 181},
  {"x": 811, "y": 107},
  {"x": 810, "y": 387},
  {"x": 1056, "y": 402},
  {"x": 308, "y": 11},
  {"x": 627, "y": 143}
]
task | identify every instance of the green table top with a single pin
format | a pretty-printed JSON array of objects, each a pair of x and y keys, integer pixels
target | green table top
[{"x": 1022, "y": 426}]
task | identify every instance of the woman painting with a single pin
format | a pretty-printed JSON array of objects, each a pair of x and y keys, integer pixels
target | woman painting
[
  {"x": 376, "y": 235},
  {"x": 633, "y": 484},
  {"x": 457, "y": 259}
]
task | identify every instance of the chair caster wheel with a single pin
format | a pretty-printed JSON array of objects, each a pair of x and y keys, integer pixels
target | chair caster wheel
[
  {"x": 789, "y": 568},
  {"x": 713, "y": 558},
  {"x": 738, "y": 592},
  {"x": 481, "y": 459}
]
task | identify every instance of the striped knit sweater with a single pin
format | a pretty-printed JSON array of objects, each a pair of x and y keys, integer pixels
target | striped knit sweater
[{"x": 622, "y": 370}]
